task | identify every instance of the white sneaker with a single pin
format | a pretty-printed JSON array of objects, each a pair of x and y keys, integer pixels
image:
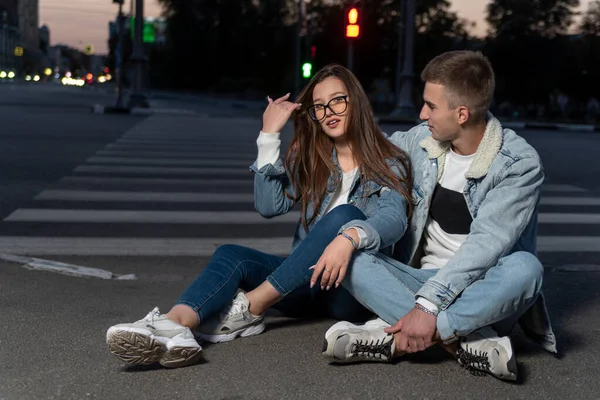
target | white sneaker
[
  {"x": 353, "y": 343},
  {"x": 378, "y": 322},
  {"x": 152, "y": 339},
  {"x": 234, "y": 321},
  {"x": 484, "y": 352}
]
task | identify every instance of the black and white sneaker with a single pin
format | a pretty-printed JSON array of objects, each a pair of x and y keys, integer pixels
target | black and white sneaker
[
  {"x": 355, "y": 343},
  {"x": 484, "y": 352}
]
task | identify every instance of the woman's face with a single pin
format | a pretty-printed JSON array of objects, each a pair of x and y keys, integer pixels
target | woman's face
[{"x": 330, "y": 107}]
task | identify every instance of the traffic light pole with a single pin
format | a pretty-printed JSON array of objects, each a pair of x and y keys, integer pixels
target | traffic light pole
[
  {"x": 298, "y": 67},
  {"x": 350, "y": 61},
  {"x": 405, "y": 108},
  {"x": 119, "y": 63},
  {"x": 138, "y": 58}
]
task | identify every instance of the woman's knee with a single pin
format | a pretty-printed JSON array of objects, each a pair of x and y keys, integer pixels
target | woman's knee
[{"x": 343, "y": 214}]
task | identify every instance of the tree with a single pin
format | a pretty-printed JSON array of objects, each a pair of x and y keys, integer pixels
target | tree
[
  {"x": 518, "y": 17},
  {"x": 590, "y": 23}
]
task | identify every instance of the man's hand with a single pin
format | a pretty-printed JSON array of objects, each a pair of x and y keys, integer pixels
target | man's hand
[{"x": 415, "y": 330}]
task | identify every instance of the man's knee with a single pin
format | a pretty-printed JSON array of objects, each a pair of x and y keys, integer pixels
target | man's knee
[
  {"x": 361, "y": 268},
  {"x": 525, "y": 268}
]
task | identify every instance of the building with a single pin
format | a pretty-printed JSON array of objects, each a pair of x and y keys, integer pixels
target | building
[
  {"x": 9, "y": 34},
  {"x": 28, "y": 23}
]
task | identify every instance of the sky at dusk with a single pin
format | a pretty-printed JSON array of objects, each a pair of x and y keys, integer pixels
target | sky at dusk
[{"x": 81, "y": 22}]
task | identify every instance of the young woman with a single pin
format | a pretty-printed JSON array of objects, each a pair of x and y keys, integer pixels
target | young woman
[{"x": 353, "y": 187}]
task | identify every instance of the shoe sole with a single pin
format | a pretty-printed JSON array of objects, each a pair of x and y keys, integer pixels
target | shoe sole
[
  {"x": 139, "y": 349},
  {"x": 249, "y": 331}
]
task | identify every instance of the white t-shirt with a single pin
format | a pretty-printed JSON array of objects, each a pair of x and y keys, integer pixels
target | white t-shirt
[{"x": 449, "y": 218}]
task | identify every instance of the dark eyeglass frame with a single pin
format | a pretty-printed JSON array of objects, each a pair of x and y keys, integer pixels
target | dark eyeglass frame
[{"x": 313, "y": 113}]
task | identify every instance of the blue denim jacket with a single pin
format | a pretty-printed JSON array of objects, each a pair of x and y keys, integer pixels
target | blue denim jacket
[
  {"x": 384, "y": 207},
  {"x": 502, "y": 194}
]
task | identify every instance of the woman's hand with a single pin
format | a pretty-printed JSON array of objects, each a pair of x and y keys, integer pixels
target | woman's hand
[
  {"x": 277, "y": 114},
  {"x": 334, "y": 261}
]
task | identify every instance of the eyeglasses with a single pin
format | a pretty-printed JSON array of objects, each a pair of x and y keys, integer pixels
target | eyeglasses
[{"x": 337, "y": 105}]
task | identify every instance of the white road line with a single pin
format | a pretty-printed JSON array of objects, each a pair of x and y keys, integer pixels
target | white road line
[
  {"x": 167, "y": 161},
  {"x": 141, "y": 217},
  {"x": 160, "y": 171},
  {"x": 207, "y": 155},
  {"x": 205, "y": 246},
  {"x": 570, "y": 201},
  {"x": 568, "y": 218},
  {"x": 562, "y": 188},
  {"x": 120, "y": 196},
  {"x": 234, "y": 183}
]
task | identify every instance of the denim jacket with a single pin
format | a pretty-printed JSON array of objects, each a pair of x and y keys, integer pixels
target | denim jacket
[
  {"x": 384, "y": 207},
  {"x": 502, "y": 195}
]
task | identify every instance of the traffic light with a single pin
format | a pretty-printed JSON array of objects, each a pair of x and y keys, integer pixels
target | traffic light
[
  {"x": 306, "y": 70},
  {"x": 353, "y": 15}
]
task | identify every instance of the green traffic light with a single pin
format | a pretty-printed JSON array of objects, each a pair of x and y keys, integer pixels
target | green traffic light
[{"x": 306, "y": 70}]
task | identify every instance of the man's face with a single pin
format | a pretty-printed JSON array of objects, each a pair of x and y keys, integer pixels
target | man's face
[{"x": 442, "y": 121}]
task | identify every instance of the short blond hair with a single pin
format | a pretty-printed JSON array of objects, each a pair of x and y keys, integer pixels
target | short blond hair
[{"x": 468, "y": 79}]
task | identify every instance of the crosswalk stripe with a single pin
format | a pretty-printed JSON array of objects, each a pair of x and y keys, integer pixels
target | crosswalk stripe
[
  {"x": 161, "y": 171},
  {"x": 183, "y": 147},
  {"x": 206, "y": 246},
  {"x": 156, "y": 181},
  {"x": 569, "y": 201},
  {"x": 161, "y": 153},
  {"x": 94, "y": 195},
  {"x": 143, "y": 216},
  {"x": 173, "y": 197},
  {"x": 167, "y": 162},
  {"x": 562, "y": 188},
  {"x": 568, "y": 218}
]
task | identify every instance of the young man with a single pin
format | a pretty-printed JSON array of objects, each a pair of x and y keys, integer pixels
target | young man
[{"x": 467, "y": 270}]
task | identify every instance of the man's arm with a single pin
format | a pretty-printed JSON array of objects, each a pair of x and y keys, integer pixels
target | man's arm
[{"x": 501, "y": 219}]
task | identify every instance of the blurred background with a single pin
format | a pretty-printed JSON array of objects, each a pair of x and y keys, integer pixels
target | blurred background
[{"x": 545, "y": 52}]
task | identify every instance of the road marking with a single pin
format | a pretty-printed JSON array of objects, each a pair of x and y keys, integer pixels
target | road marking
[
  {"x": 562, "y": 188},
  {"x": 568, "y": 218},
  {"x": 63, "y": 268},
  {"x": 160, "y": 171},
  {"x": 570, "y": 201},
  {"x": 172, "y": 197},
  {"x": 206, "y": 246},
  {"x": 141, "y": 217},
  {"x": 157, "y": 181},
  {"x": 168, "y": 161}
]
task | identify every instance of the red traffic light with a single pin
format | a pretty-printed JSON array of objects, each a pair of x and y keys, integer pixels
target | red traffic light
[{"x": 352, "y": 27}]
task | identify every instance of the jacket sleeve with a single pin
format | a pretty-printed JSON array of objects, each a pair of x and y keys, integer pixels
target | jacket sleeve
[
  {"x": 387, "y": 224},
  {"x": 500, "y": 221},
  {"x": 271, "y": 182}
]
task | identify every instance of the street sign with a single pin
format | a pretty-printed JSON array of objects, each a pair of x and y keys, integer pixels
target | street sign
[
  {"x": 88, "y": 49},
  {"x": 18, "y": 51}
]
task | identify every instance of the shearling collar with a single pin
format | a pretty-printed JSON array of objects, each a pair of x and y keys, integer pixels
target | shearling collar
[{"x": 486, "y": 152}]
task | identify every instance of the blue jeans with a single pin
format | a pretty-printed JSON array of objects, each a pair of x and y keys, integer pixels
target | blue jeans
[
  {"x": 235, "y": 267},
  {"x": 499, "y": 298}
]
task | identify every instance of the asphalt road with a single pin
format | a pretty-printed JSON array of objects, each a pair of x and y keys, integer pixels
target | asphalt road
[{"x": 153, "y": 196}]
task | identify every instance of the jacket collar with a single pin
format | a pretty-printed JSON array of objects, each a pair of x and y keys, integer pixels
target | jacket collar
[{"x": 484, "y": 156}]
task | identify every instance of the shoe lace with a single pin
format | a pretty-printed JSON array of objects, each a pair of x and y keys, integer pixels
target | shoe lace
[
  {"x": 235, "y": 308},
  {"x": 476, "y": 362},
  {"x": 151, "y": 315},
  {"x": 372, "y": 348}
]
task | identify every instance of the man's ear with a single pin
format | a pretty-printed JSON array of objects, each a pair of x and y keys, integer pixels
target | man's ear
[{"x": 463, "y": 114}]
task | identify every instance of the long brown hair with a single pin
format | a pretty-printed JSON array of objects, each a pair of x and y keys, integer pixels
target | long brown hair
[{"x": 308, "y": 159}]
